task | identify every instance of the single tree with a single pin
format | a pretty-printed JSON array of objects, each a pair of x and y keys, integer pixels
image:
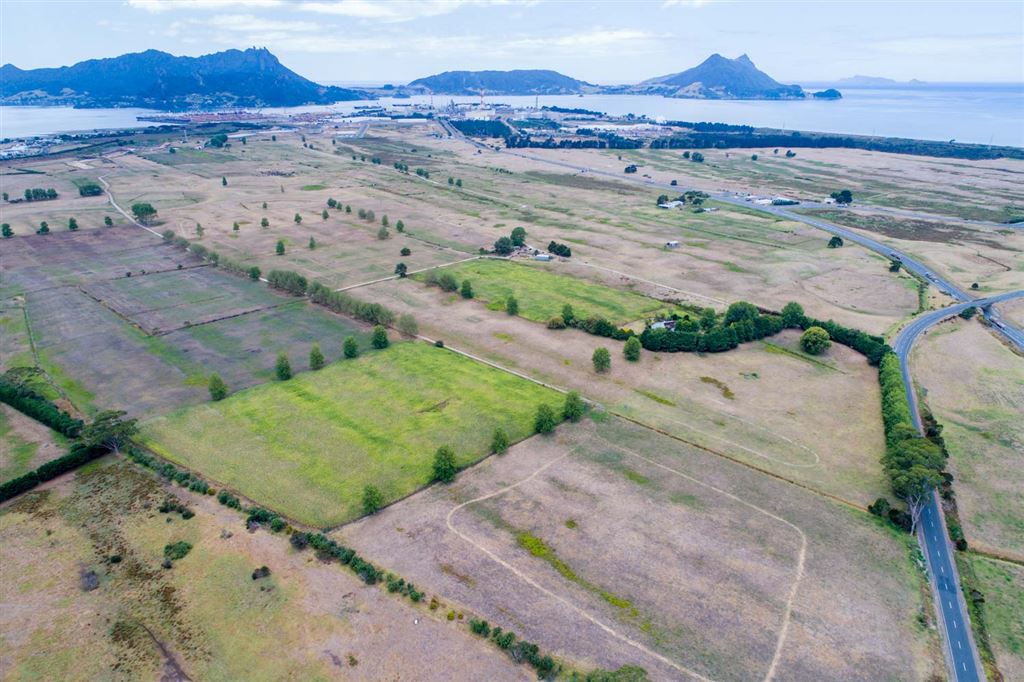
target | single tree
[
  {"x": 199, "y": 230},
  {"x": 401, "y": 270},
  {"x": 511, "y": 305},
  {"x": 223, "y": 181},
  {"x": 324, "y": 214},
  {"x": 458, "y": 182},
  {"x": 6, "y": 230},
  {"x": 280, "y": 247},
  {"x": 836, "y": 242},
  {"x": 815, "y": 340},
  {"x": 753, "y": 157},
  {"x": 379, "y": 339},
  {"x": 264, "y": 205},
  {"x": 632, "y": 349},
  {"x": 445, "y": 467},
  {"x": 108, "y": 221},
  {"x": 254, "y": 272},
  {"x": 316, "y": 358},
  {"x": 382, "y": 233},
  {"x": 400, "y": 226},
  {"x": 405, "y": 251},
  {"x": 297, "y": 219},
  {"x": 110, "y": 429},
  {"x": 968, "y": 313},
  {"x": 499, "y": 443},
  {"x": 144, "y": 212},
  {"x": 503, "y": 246},
  {"x": 350, "y": 347},
  {"x": 451, "y": 180},
  {"x": 348, "y": 209},
  {"x": 312, "y": 243},
  {"x": 235, "y": 227},
  {"x": 518, "y": 236},
  {"x": 574, "y": 407},
  {"x": 44, "y": 228},
  {"x": 72, "y": 224},
  {"x": 218, "y": 389},
  {"x": 264, "y": 222},
  {"x": 792, "y": 315},
  {"x": 842, "y": 197},
  {"x": 283, "y": 368},
  {"x": 602, "y": 360},
  {"x": 6, "y": 197},
  {"x": 467, "y": 289},
  {"x": 568, "y": 314},
  {"x": 373, "y": 500},
  {"x": 544, "y": 421},
  {"x": 708, "y": 319},
  {"x": 384, "y": 220}
]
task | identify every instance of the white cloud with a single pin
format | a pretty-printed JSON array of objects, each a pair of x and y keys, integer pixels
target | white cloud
[
  {"x": 167, "y": 5},
  {"x": 399, "y": 10},
  {"x": 944, "y": 45},
  {"x": 247, "y": 23}
]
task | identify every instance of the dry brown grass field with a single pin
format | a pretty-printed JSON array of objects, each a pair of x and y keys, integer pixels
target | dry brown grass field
[
  {"x": 205, "y": 618},
  {"x": 613, "y": 544},
  {"x": 975, "y": 387}
]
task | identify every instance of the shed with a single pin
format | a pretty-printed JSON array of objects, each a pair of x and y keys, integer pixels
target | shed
[
  {"x": 672, "y": 244},
  {"x": 542, "y": 256}
]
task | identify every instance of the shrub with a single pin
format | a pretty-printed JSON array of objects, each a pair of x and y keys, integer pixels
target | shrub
[
  {"x": 574, "y": 406},
  {"x": 405, "y": 251},
  {"x": 218, "y": 389},
  {"x": 568, "y": 315},
  {"x": 254, "y": 273},
  {"x": 445, "y": 467},
  {"x": 632, "y": 349},
  {"x": 379, "y": 340},
  {"x": 499, "y": 443},
  {"x": 316, "y": 357},
  {"x": 350, "y": 347},
  {"x": 511, "y": 305},
  {"x": 793, "y": 315},
  {"x": 544, "y": 421},
  {"x": 277, "y": 524},
  {"x": 602, "y": 360},
  {"x": 299, "y": 540},
  {"x": 467, "y": 289},
  {"x": 283, "y": 368},
  {"x": 279, "y": 249},
  {"x": 447, "y": 281},
  {"x": 177, "y": 550},
  {"x": 556, "y": 323},
  {"x": 407, "y": 325},
  {"x": 373, "y": 499},
  {"x": 261, "y": 572},
  {"x": 479, "y": 627},
  {"x": 815, "y": 341}
]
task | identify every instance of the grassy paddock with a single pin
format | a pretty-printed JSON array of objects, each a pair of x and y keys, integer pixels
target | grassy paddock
[
  {"x": 307, "y": 447},
  {"x": 542, "y": 294}
]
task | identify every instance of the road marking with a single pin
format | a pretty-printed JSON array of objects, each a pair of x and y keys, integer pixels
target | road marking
[
  {"x": 955, "y": 625},
  {"x": 959, "y": 645}
]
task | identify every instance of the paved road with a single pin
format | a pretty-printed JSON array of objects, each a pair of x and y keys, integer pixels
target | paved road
[{"x": 932, "y": 533}]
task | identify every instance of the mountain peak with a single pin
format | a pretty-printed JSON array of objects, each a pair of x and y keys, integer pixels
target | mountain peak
[{"x": 718, "y": 77}]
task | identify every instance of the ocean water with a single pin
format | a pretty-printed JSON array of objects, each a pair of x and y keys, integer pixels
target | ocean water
[{"x": 980, "y": 113}]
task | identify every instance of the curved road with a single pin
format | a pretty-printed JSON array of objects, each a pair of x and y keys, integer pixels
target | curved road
[
  {"x": 933, "y": 536},
  {"x": 961, "y": 651}
]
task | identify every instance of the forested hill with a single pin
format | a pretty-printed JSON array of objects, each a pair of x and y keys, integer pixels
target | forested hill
[
  {"x": 159, "y": 80},
  {"x": 516, "y": 82}
]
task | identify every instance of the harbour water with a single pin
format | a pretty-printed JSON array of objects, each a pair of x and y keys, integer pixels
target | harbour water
[{"x": 980, "y": 113}]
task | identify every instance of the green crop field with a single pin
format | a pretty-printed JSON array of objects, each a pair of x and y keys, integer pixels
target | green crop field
[
  {"x": 542, "y": 294},
  {"x": 308, "y": 446}
]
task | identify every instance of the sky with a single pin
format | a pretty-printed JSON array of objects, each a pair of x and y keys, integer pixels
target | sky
[{"x": 396, "y": 41}]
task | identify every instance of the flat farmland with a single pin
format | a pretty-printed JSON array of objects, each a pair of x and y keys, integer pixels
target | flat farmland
[
  {"x": 975, "y": 387},
  {"x": 206, "y": 618},
  {"x": 25, "y": 444},
  {"x": 765, "y": 403},
  {"x": 541, "y": 292},
  {"x": 165, "y": 302},
  {"x": 308, "y": 446},
  {"x": 608, "y": 544}
]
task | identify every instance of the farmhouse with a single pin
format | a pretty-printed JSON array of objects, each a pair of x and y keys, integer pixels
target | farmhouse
[{"x": 670, "y": 204}]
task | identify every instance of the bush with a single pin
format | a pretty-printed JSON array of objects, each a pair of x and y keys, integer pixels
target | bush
[
  {"x": 350, "y": 347},
  {"x": 602, "y": 360},
  {"x": 445, "y": 467},
  {"x": 574, "y": 406},
  {"x": 544, "y": 421},
  {"x": 373, "y": 499},
  {"x": 277, "y": 524},
  {"x": 283, "y": 368},
  {"x": 407, "y": 325},
  {"x": 499, "y": 443},
  {"x": 447, "y": 281},
  {"x": 815, "y": 341},
  {"x": 177, "y": 550},
  {"x": 479, "y": 627},
  {"x": 632, "y": 349},
  {"x": 299, "y": 540},
  {"x": 556, "y": 323},
  {"x": 511, "y": 305},
  {"x": 218, "y": 389},
  {"x": 316, "y": 357},
  {"x": 467, "y": 289},
  {"x": 379, "y": 340}
]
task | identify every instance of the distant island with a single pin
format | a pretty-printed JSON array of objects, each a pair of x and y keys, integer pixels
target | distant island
[
  {"x": 859, "y": 81},
  {"x": 515, "y": 82},
  {"x": 717, "y": 77},
  {"x": 159, "y": 80}
]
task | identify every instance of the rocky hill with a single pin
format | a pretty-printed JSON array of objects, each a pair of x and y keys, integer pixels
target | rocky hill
[
  {"x": 720, "y": 78},
  {"x": 516, "y": 82}
]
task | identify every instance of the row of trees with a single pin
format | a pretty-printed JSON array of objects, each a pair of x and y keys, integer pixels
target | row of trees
[
  {"x": 742, "y": 322},
  {"x": 40, "y": 194}
]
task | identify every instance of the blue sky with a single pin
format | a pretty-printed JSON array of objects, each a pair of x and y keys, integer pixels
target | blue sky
[{"x": 602, "y": 42}]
